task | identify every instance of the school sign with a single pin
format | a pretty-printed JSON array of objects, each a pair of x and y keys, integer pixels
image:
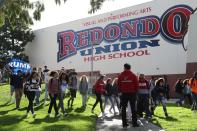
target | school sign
[{"x": 149, "y": 36}]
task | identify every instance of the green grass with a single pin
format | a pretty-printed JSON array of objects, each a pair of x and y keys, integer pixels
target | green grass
[
  {"x": 15, "y": 120},
  {"x": 180, "y": 118}
]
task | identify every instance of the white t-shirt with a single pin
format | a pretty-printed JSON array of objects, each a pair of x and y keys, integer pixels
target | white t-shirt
[
  {"x": 46, "y": 77},
  {"x": 64, "y": 86},
  {"x": 34, "y": 86}
]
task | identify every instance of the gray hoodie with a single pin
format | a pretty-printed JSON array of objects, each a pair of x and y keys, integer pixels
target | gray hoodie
[{"x": 83, "y": 87}]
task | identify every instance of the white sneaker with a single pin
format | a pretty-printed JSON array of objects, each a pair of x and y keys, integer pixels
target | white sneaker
[
  {"x": 103, "y": 114},
  {"x": 65, "y": 114},
  {"x": 34, "y": 115}
]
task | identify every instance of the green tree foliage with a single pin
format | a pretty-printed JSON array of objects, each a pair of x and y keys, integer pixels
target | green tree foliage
[
  {"x": 15, "y": 19},
  {"x": 95, "y": 5},
  {"x": 12, "y": 10},
  {"x": 60, "y": 1},
  {"x": 13, "y": 41},
  {"x": 14, "y": 27}
]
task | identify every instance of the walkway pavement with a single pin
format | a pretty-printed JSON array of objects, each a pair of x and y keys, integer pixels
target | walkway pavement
[{"x": 114, "y": 123}]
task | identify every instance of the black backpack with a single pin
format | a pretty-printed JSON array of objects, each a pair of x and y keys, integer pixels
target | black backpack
[{"x": 26, "y": 88}]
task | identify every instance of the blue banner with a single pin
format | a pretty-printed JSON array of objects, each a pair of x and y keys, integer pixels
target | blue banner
[{"x": 17, "y": 64}]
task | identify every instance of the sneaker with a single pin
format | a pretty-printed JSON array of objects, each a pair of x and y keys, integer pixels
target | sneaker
[
  {"x": 110, "y": 111},
  {"x": 166, "y": 114},
  {"x": 65, "y": 114},
  {"x": 136, "y": 125},
  {"x": 92, "y": 111},
  {"x": 103, "y": 114},
  {"x": 115, "y": 113},
  {"x": 34, "y": 115},
  {"x": 125, "y": 125},
  {"x": 58, "y": 115},
  {"x": 148, "y": 118}
]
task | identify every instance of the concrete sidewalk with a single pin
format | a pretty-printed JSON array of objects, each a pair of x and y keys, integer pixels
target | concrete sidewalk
[{"x": 114, "y": 123}]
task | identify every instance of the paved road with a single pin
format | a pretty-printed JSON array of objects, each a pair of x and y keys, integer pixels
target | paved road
[{"x": 114, "y": 123}]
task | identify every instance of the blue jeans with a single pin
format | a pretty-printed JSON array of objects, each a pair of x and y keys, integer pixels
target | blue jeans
[
  {"x": 111, "y": 101},
  {"x": 84, "y": 99},
  {"x": 117, "y": 101},
  {"x": 38, "y": 97},
  {"x": 180, "y": 98},
  {"x": 162, "y": 100},
  {"x": 46, "y": 92},
  {"x": 61, "y": 101}
]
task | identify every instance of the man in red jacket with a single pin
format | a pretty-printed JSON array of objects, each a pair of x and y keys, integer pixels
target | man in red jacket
[{"x": 128, "y": 86}]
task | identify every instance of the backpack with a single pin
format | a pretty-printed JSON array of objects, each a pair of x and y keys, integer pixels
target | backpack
[{"x": 26, "y": 88}]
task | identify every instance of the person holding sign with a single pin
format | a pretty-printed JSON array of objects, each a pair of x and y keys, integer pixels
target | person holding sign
[{"x": 18, "y": 85}]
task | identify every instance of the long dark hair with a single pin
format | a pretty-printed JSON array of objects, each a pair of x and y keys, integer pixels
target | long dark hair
[
  {"x": 101, "y": 77},
  {"x": 31, "y": 76},
  {"x": 66, "y": 77},
  {"x": 185, "y": 82},
  {"x": 178, "y": 81},
  {"x": 108, "y": 80},
  {"x": 158, "y": 81}
]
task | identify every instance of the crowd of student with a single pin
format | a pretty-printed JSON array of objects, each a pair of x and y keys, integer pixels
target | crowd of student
[
  {"x": 128, "y": 88},
  {"x": 141, "y": 96},
  {"x": 56, "y": 84},
  {"x": 186, "y": 92},
  {"x": 128, "y": 91}
]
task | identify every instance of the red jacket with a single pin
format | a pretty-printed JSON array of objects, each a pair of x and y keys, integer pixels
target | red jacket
[
  {"x": 100, "y": 86},
  {"x": 53, "y": 86},
  {"x": 144, "y": 84},
  {"x": 128, "y": 82}
]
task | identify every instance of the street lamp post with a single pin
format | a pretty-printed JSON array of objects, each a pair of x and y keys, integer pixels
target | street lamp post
[
  {"x": 92, "y": 59},
  {"x": 92, "y": 63}
]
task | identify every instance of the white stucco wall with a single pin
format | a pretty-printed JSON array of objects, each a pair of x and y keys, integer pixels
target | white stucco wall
[
  {"x": 192, "y": 40},
  {"x": 168, "y": 58}
]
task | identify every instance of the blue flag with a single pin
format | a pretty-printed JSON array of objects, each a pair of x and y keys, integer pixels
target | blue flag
[{"x": 17, "y": 64}]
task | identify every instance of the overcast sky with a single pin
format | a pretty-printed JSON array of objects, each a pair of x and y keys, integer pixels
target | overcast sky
[{"x": 76, "y": 9}]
